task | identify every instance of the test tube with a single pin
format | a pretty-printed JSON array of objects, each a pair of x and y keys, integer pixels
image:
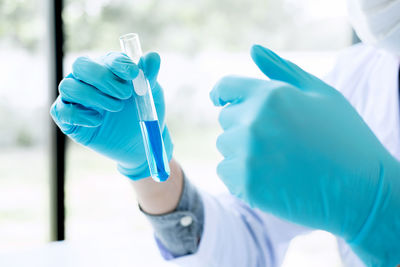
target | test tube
[{"x": 150, "y": 127}]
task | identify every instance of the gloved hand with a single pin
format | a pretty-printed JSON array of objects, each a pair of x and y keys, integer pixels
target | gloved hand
[
  {"x": 96, "y": 108},
  {"x": 295, "y": 147}
]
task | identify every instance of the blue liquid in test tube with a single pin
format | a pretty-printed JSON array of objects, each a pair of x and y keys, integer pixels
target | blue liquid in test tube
[
  {"x": 157, "y": 163},
  {"x": 151, "y": 132}
]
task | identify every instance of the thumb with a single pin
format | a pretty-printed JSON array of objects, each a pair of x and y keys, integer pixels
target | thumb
[{"x": 277, "y": 68}]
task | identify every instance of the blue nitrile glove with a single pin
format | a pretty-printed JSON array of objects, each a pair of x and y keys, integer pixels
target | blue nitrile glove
[
  {"x": 295, "y": 147},
  {"x": 96, "y": 109}
]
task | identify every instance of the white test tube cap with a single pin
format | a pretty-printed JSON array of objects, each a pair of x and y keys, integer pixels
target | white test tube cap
[{"x": 130, "y": 45}]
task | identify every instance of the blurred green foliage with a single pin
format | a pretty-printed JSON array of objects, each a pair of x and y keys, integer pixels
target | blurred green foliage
[
  {"x": 187, "y": 26},
  {"x": 24, "y": 138},
  {"x": 21, "y": 23}
]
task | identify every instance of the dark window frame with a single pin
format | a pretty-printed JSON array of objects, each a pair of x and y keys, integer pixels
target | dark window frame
[{"x": 58, "y": 139}]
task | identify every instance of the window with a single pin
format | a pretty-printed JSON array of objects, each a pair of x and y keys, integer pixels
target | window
[
  {"x": 24, "y": 125},
  {"x": 199, "y": 42}
]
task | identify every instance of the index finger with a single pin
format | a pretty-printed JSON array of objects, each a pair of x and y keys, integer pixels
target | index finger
[{"x": 99, "y": 76}]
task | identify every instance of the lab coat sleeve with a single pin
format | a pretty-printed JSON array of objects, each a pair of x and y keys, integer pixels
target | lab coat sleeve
[
  {"x": 178, "y": 233},
  {"x": 236, "y": 235}
]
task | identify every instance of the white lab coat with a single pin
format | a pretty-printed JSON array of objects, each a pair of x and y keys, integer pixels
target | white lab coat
[{"x": 236, "y": 235}]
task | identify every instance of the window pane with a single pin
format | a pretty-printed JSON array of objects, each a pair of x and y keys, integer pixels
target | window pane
[
  {"x": 199, "y": 42},
  {"x": 24, "y": 125}
]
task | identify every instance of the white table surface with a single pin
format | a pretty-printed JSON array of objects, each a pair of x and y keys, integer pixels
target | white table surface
[
  {"x": 139, "y": 252},
  {"x": 313, "y": 250}
]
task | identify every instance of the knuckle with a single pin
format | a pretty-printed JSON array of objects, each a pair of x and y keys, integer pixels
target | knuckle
[
  {"x": 122, "y": 57},
  {"x": 53, "y": 110},
  {"x": 80, "y": 61},
  {"x": 78, "y": 65},
  {"x": 222, "y": 116},
  {"x": 278, "y": 91},
  {"x": 67, "y": 114},
  {"x": 224, "y": 80},
  {"x": 64, "y": 85},
  {"x": 228, "y": 79},
  {"x": 118, "y": 105},
  {"x": 113, "y": 54},
  {"x": 220, "y": 169},
  {"x": 119, "y": 61},
  {"x": 275, "y": 93},
  {"x": 63, "y": 114},
  {"x": 220, "y": 142},
  {"x": 276, "y": 99}
]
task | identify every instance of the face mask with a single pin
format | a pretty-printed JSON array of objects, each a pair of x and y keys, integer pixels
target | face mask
[{"x": 377, "y": 22}]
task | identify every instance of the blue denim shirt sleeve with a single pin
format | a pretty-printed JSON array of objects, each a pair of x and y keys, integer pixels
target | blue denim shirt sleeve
[{"x": 178, "y": 233}]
